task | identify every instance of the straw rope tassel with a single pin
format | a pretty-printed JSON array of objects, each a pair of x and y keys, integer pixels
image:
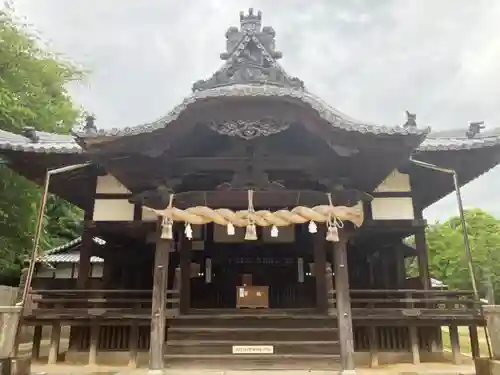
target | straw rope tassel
[{"x": 200, "y": 215}]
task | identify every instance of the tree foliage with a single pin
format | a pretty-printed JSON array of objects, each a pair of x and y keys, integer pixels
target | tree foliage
[
  {"x": 447, "y": 257},
  {"x": 32, "y": 93}
]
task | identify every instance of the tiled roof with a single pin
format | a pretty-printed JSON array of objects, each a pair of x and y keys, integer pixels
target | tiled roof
[
  {"x": 61, "y": 254},
  {"x": 42, "y": 143},
  {"x": 58, "y": 143},
  {"x": 334, "y": 117},
  {"x": 71, "y": 257},
  {"x": 457, "y": 140}
]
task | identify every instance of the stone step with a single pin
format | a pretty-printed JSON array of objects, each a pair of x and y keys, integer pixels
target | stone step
[
  {"x": 213, "y": 347},
  {"x": 303, "y": 362},
  {"x": 252, "y": 333}
]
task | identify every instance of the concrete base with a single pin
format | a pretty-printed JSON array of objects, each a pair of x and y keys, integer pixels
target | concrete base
[
  {"x": 9, "y": 317},
  {"x": 5, "y": 366},
  {"x": 486, "y": 366},
  {"x": 15, "y": 366}
]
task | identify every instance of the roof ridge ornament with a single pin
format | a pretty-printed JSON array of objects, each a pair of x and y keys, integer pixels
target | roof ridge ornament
[
  {"x": 252, "y": 22},
  {"x": 250, "y": 58},
  {"x": 411, "y": 120},
  {"x": 475, "y": 128},
  {"x": 30, "y": 133}
]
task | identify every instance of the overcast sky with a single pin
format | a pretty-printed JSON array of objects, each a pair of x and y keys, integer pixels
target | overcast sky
[{"x": 371, "y": 59}]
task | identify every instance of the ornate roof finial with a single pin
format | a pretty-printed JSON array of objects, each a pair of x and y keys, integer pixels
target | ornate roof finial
[
  {"x": 251, "y": 57},
  {"x": 30, "y": 132},
  {"x": 252, "y": 22},
  {"x": 411, "y": 120},
  {"x": 474, "y": 129},
  {"x": 89, "y": 126}
]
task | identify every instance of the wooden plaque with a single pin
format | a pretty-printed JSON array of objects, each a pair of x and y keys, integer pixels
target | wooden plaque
[{"x": 252, "y": 296}]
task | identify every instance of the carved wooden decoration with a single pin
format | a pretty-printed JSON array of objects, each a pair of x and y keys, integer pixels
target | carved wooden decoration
[{"x": 249, "y": 129}]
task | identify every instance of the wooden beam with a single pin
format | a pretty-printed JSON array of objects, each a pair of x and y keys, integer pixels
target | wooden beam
[
  {"x": 474, "y": 341},
  {"x": 158, "y": 317},
  {"x": 320, "y": 271},
  {"x": 286, "y": 163},
  {"x": 373, "y": 342},
  {"x": 414, "y": 344},
  {"x": 239, "y": 199},
  {"x": 343, "y": 301},
  {"x": 455, "y": 344},
  {"x": 55, "y": 338},
  {"x": 185, "y": 266},
  {"x": 94, "y": 342},
  {"x": 133, "y": 345},
  {"x": 37, "y": 339},
  {"x": 423, "y": 258}
]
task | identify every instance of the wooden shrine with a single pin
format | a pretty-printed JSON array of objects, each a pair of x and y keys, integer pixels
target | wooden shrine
[{"x": 252, "y": 224}]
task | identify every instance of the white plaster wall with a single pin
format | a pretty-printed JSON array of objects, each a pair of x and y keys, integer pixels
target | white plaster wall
[
  {"x": 148, "y": 215},
  {"x": 64, "y": 271},
  {"x": 44, "y": 271},
  {"x": 110, "y": 185},
  {"x": 395, "y": 208},
  {"x": 97, "y": 270},
  {"x": 395, "y": 182},
  {"x": 113, "y": 210}
]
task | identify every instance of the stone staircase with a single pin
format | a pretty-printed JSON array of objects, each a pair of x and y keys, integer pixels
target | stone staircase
[{"x": 299, "y": 340}]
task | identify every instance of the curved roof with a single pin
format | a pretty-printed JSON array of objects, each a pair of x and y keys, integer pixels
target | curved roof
[{"x": 334, "y": 117}]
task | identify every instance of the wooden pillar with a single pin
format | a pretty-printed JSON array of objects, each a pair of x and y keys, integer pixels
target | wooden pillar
[
  {"x": 158, "y": 317},
  {"x": 455, "y": 344},
  {"x": 133, "y": 345},
  {"x": 421, "y": 248},
  {"x": 343, "y": 302},
  {"x": 474, "y": 341},
  {"x": 414, "y": 344},
  {"x": 37, "y": 340},
  {"x": 400, "y": 269},
  {"x": 85, "y": 255},
  {"x": 185, "y": 265},
  {"x": 94, "y": 341},
  {"x": 320, "y": 272},
  {"x": 55, "y": 338},
  {"x": 373, "y": 341}
]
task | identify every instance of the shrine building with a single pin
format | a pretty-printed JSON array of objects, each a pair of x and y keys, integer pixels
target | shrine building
[{"x": 253, "y": 226}]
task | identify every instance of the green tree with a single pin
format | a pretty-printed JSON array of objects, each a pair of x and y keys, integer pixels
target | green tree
[
  {"x": 32, "y": 93},
  {"x": 447, "y": 258}
]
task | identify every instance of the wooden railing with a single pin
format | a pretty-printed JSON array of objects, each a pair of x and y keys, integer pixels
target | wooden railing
[
  {"x": 416, "y": 304},
  {"x": 106, "y": 303}
]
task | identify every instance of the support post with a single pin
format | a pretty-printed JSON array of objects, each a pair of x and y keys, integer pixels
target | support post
[
  {"x": 373, "y": 340},
  {"x": 415, "y": 344},
  {"x": 423, "y": 258},
  {"x": 185, "y": 266},
  {"x": 455, "y": 344},
  {"x": 158, "y": 317},
  {"x": 84, "y": 262},
  {"x": 37, "y": 340},
  {"x": 474, "y": 341},
  {"x": 132, "y": 345},
  {"x": 55, "y": 338},
  {"x": 320, "y": 272},
  {"x": 343, "y": 302},
  {"x": 94, "y": 340}
]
